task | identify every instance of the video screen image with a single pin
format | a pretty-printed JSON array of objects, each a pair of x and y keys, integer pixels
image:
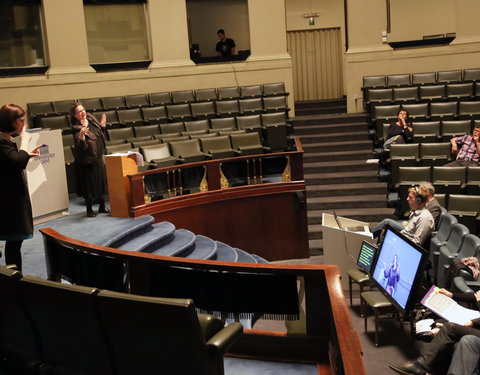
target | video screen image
[
  {"x": 366, "y": 256},
  {"x": 396, "y": 267}
]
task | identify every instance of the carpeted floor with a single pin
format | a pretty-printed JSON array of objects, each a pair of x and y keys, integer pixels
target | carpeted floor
[
  {"x": 240, "y": 366},
  {"x": 395, "y": 343}
]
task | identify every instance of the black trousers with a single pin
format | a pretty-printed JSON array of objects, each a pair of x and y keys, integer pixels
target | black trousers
[
  {"x": 461, "y": 163},
  {"x": 442, "y": 344},
  {"x": 13, "y": 254}
]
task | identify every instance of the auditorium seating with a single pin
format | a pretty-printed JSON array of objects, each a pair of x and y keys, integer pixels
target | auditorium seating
[
  {"x": 229, "y": 93},
  {"x": 114, "y": 102},
  {"x": 267, "y": 289},
  {"x": 218, "y": 105},
  {"x": 70, "y": 169},
  {"x": 54, "y": 123},
  {"x": 426, "y": 132},
  {"x": 252, "y": 91},
  {"x": 130, "y": 117},
  {"x": 274, "y": 89},
  {"x": 466, "y": 208},
  {"x": 218, "y": 147},
  {"x": 149, "y": 119},
  {"x": 183, "y": 97},
  {"x": 449, "y": 76},
  {"x": 160, "y": 98},
  {"x": 432, "y": 96},
  {"x": 206, "y": 95},
  {"x": 203, "y": 110},
  {"x": 247, "y": 144},
  {"x": 67, "y": 329},
  {"x": 187, "y": 151},
  {"x": 432, "y": 93},
  {"x": 92, "y": 104},
  {"x": 62, "y": 107},
  {"x": 432, "y": 154},
  {"x": 141, "y": 131},
  {"x": 451, "y": 246},
  {"x": 440, "y": 238},
  {"x": 137, "y": 101}
]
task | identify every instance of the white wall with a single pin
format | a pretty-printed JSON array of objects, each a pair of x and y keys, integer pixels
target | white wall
[{"x": 70, "y": 75}]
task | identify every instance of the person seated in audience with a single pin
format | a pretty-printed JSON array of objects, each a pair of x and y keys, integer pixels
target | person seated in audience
[
  {"x": 465, "y": 357},
  {"x": 226, "y": 46},
  {"x": 468, "y": 154},
  {"x": 431, "y": 204},
  {"x": 401, "y": 131},
  {"x": 89, "y": 135},
  {"x": 420, "y": 223},
  {"x": 443, "y": 342}
]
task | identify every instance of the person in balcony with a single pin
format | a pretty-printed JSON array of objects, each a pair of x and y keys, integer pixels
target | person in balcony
[
  {"x": 89, "y": 135},
  {"x": 401, "y": 131},
  {"x": 225, "y": 46}
]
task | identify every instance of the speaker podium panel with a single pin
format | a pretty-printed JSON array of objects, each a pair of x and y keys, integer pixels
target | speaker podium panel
[
  {"x": 46, "y": 176},
  {"x": 118, "y": 167},
  {"x": 341, "y": 246}
]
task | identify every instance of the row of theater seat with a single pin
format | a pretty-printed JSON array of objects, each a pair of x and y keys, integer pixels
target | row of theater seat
[
  {"x": 448, "y": 180},
  {"x": 423, "y": 155},
  {"x": 419, "y": 79},
  {"x": 53, "y": 328},
  {"x": 43, "y": 109},
  {"x": 461, "y": 181},
  {"x": 400, "y": 95},
  {"x": 453, "y": 240},
  {"x": 181, "y": 112},
  {"x": 435, "y": 131},
  {"x": 431, "y": 111},
  {"x": 159, "y": 155}
]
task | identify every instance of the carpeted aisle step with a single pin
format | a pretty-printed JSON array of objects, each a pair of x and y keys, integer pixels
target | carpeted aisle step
[
  {"x": 312, "y": 157},
  {"x": 244, "y": 257},
  {"x": 345, "y": 145},
  {"x": 338, "y": 190},
  {"x": 121, "y": 232},
  {"x": 226, "y": 253},
  {"x": 205, "y": 248},
  {"x": 340, "y": 166},
  {"x": 341, "y": 177},
  {"x": 183, "y": 241},
  {"x": 259, "y": 259},
  {"x": 344, "y": 128},
  {"x": 346, "y": 201},
  {"x": 159, "y": 233},
  {"x": 333, "y": 137}
]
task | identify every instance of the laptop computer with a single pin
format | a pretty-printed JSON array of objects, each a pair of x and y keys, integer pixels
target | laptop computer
[
  {"x": 356, "y": 228},
  {"x": 367, "y": 256}
]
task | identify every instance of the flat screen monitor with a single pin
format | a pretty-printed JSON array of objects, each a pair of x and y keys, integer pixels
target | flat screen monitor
[
  {"x": 367, "y": 256},
  {"x": 398, "y": 269}
]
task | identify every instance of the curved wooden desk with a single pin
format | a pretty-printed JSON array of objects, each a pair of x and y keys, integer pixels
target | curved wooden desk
[{"x": 329, "y": 338}]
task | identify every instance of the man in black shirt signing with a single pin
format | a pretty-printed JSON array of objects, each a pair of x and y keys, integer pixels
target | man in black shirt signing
[{"x": 226, "y": 46}]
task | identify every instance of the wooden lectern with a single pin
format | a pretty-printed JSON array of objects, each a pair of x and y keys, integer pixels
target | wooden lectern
[
  {"x": 118, "y": 168},
  {"x": 341, "y": 246}
]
